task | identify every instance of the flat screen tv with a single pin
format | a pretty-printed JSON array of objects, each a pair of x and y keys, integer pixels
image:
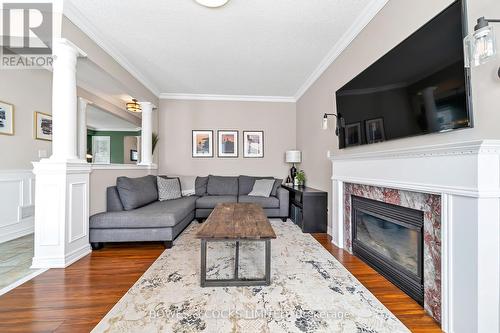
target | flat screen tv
[{"x": 419, "y": 87}]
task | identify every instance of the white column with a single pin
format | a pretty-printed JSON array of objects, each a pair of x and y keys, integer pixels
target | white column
[
  {"x": 62, "y": 181},
  {"x": 82, "y": 128},
  {"x": 146, "y": 134},
  {"x": 64, "y": 113}
]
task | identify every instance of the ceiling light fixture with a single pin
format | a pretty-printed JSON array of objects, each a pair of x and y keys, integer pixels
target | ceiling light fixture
[
  {"x": 134, "y": 106},
  {"x": 212, "y": 3}
]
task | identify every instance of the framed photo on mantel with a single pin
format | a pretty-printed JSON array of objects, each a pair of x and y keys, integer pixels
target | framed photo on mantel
[
  {"x": 253, "y": 144},
  {"x": 202, "y": 143},
  {"x": 227, "y": 142}
]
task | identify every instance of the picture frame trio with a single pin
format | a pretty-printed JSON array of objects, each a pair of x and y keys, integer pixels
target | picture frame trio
[
  {"x": 374, "y": 132},
  {"x": 227, "y": 144},
  {"x": 42, "y": 122}
]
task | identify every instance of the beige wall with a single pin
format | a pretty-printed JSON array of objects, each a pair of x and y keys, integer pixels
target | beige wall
[
  {"x": 177, "y": 118},
  {"x": 396, "y": 21},
  {"x": 28, "y": 91}
]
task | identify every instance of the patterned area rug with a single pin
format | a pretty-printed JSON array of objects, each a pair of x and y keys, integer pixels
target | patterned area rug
[{"x": 310, "y": 291}]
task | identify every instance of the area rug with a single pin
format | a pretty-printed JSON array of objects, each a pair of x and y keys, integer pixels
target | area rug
[{"x": 310, "y": 291}]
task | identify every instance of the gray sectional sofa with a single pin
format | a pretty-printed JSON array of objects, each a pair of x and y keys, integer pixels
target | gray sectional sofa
[{"x": 135, "y": 214}]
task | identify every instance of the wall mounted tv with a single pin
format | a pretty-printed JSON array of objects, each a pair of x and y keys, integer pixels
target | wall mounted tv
[{"x": 419, "y": 87}]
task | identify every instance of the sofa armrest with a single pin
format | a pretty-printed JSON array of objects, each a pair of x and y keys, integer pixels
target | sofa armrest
[
  {"x": 113, "y": 202},
  {"x": 284, "y": 198}
]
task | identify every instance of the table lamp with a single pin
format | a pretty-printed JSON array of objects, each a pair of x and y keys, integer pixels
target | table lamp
[{"x": 293, "y": 156}]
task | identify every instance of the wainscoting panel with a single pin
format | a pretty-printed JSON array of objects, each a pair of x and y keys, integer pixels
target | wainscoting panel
[
  {"x": 16, "y": 199},
  {"x": 78, "y": 226}
]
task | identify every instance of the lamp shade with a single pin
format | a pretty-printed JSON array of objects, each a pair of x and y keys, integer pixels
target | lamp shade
[
  {"x": 480, "y": 46},
  {"x": 293, "y": 156}
]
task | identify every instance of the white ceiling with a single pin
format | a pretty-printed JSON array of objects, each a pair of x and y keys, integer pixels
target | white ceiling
[
  {"x": 250, "y": 48},
  {"x": 101, "y": 120}
]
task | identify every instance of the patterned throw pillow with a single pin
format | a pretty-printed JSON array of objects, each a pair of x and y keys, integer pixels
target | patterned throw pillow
[{"x": 168, "y": 189}]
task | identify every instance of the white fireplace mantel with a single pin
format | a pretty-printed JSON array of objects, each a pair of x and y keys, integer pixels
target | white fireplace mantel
[{"x": 467, "y": 176}]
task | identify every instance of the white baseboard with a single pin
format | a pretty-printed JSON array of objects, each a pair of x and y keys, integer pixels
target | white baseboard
[
  {"x": 61, "y": 262},
  {"x": 18, "y": 233}
]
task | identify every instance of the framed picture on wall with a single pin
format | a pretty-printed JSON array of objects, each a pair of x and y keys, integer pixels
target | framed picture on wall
[
  {"x": 6, "y": 118},
  {"x": 353, "y": 134},
  {"x": 42, "y": 126},
  {"x": 375, "y": 130},
  {"x": 253, "y": 144},
  {"x": 203, "y": 143},
  {"x": 227, "y": 143},
  {"x": 101, "y": 149}
]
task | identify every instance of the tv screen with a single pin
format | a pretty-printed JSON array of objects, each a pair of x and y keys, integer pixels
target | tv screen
[{"x": 419, "y": 87}]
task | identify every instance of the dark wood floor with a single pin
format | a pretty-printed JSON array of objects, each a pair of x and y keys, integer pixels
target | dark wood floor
[
  {"x": 76, "y": 298},
  {"x": 405, "y": 308}
]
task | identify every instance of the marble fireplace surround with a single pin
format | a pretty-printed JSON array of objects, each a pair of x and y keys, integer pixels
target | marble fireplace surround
[
  {"x": 466, "y": 178},
  {"x": 430, "y": 204}
]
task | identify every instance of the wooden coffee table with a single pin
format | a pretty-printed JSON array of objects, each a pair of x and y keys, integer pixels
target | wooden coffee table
[{"x": 236, "y": 222}]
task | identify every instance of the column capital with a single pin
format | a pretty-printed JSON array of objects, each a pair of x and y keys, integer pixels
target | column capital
[
  {"x": 147, "y": 105},
  {"x": 65, "y": 43},
  {"x": 84, "y": 100}
]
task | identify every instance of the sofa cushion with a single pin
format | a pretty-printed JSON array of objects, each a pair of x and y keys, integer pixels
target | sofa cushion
[
  {"x": 246, "y": 184},
  {"x": 219, "y": 185},
  {"x": 159, "y": 214},
  {"x": 269, "y": 202},
  {"x": 210, "y": 201},
  {"x": 168, "y": 188},
  {"x": 113, "y": 202},
  {"x": 262, "y": 188},
  {"x": 200, "y": 186},
  {"x": 137, "y": 192}
]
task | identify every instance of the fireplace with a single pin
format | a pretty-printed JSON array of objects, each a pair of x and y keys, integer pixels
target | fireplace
[{"x": 389, "y": 238}]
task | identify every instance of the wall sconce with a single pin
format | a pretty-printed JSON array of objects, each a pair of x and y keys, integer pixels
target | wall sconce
[
  {"x": 480, "y": 45},
  {"x": 340, "y": 122},
  {"x": 134, "y": 106}
]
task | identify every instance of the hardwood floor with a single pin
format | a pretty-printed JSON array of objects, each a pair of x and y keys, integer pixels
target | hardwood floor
[
  {"x": 404, "y": 307},
  {"x": 75, "y": 299}
]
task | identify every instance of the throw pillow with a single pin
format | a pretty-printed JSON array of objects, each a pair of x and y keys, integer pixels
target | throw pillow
[
  {"x": 200, "y": 186},
  {"x": 136, "y": 192},
  {"x": 262, "y": 188},
  {"x": 277, "y": 185},
  {"x": 168, "y": 189}
]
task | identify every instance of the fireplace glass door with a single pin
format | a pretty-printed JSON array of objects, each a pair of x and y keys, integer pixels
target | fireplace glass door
[
  {"x": 397, "y": 243},
  {"x": 390, "y": 239}
]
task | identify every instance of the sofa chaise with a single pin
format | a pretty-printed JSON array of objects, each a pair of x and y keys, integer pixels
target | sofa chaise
[{"x": 135, "y": 214}]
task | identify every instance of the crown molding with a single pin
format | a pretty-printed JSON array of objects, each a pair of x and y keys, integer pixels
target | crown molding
[
  {"x": 75, "y": 16},
  {"x": 359, "y": 24},
  {"x": 237, "y": 98}
]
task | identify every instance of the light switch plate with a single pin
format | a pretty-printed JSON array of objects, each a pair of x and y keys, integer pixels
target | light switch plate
[{"x": 42, "y": 153}]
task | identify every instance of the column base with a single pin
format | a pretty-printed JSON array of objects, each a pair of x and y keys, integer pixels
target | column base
[
  {"x": 149, "y": 165},
  {"x": 61, "y": 262},
  {"x": 61, "y": 212}
]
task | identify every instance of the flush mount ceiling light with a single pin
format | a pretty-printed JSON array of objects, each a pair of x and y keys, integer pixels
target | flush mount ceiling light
[
  {"x": 212, "y": 3},
  {"x": 134, "y": 106}
]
